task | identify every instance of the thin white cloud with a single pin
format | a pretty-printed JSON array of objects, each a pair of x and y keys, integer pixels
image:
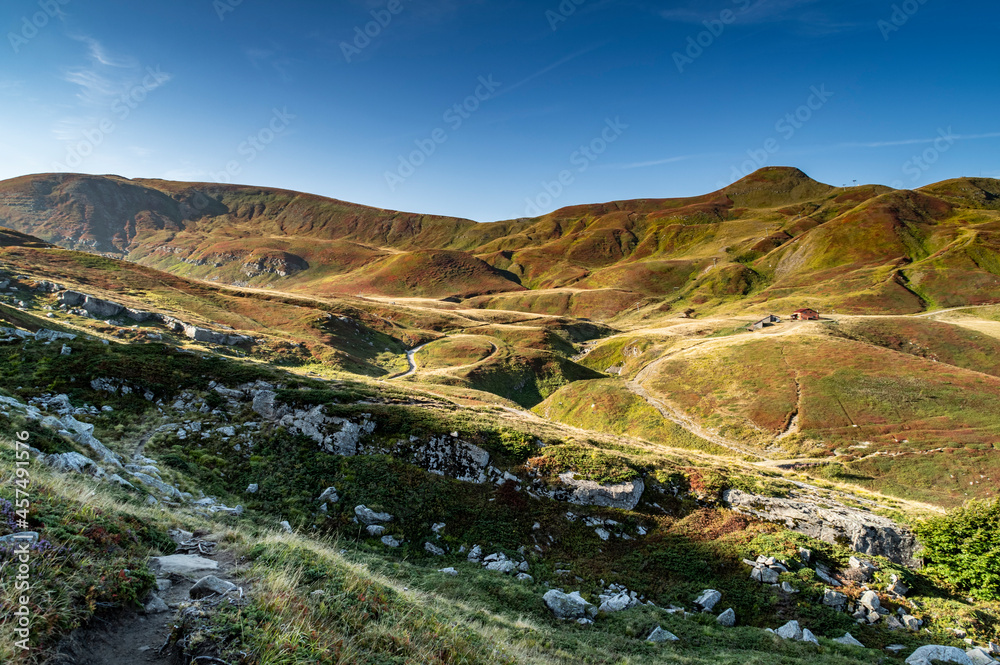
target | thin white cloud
[
  {"x": 655, "y": 162},
  {"x": 549, "y": 68},
  {"x": 102, "y": 56},
  {"x": 921, "y": 141}
]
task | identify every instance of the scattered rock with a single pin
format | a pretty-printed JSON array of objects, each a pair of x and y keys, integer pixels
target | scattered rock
[
  {"x": 870, "y": 601},
  {"x": 764, "y": 575},
  {"x": 524, "y": 577},
  {"x": 911, "y": 622},
  {"x": 896, "y": 649},
  {"x": 980, "y": 657},
  {"x": 503, "y": 566},
  {"x": 807, "y": 636},
  {"x": 368, "y": 516},
  {"x": 253, "y": 488},
  {"x": 790, "y": 631},
  {"x": 475, "y": 554},
  {"x": 708, "y": 599},
  {"x": 849, "y": 640},
  {"x": 934, "y": 652},
  {"x": 329, "y": 495},
  {"x": 185, "y": 565},
  {"x": 788, "y": 588},
  {"x": 567, "y": 605},
  {"x": 210, "y": 585},
  {"x": 155, "y": 605},
  {"x": 285, "y": 526},
  {"x": 659, "y": 636},
  {"x": 448, "y": 571},
  {"x": 376, "y": 530},
  {"x": 727, "y": 618},
  {"x": 433, "y": 549},
  {"x": 389, "y": 541},
  {"x": 835, "y": 599}
]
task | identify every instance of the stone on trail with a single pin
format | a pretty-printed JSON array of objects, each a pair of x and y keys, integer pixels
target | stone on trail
[
  {"x": 185, "y": 565},
  {"x": 155, "y": 605},
  {"x": 210, "y": 585}
]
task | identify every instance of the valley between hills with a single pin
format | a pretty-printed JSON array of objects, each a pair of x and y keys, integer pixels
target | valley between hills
[{"x": 418, "y": 439}]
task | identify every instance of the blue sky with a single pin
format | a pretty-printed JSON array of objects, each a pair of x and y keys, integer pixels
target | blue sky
[{"x": 501, "y": 109}]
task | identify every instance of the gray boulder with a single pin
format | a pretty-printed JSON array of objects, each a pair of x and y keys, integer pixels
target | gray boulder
[
  {"x": 807, "y": 636},
  {"x": 708, "y": 599},
  {"x": 155, "y": 605},
  {"x": 376, "y": 530},
  {"x": 870, "y": 601},
  {"x": 835, "y": 599},
  {"x": 29, "y": 537},
  {"x": 790, "y": 631},
  {"x": 980, "y": 657},
  {"x": 368, "y": 516},
  {"x": 210, "y": 585},
  {"x": 433, "y": 549},
  {"x": 566, "y": 605},
  {"x": 849, "y": 640},
  {"x": 727, "y": 618},
  {"x": 389, "y": 541},
  {"x": 934, "y": 652},
  {"x": 329, "y": 495},
  {"x": 185, "y": 565},
  {"x": 659, "y": 636},
  {"x": 448, "y": 571},
  {"x": 865, "y": 532}
]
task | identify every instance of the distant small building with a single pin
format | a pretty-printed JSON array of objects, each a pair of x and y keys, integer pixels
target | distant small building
[
  {"x": 763, "y": 323},
  {"x": 805, "y": 315}
]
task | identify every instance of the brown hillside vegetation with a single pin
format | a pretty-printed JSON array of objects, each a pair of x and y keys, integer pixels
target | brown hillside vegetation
[{"x": 777, "y": 238}]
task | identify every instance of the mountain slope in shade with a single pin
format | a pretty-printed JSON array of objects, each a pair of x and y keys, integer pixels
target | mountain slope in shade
[{"x": 776, "y": 239}]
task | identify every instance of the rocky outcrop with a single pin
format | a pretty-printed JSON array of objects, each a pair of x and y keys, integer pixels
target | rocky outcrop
[
  {"x": 862, "y": 531},
  {"x": 453, "y": 458},
  {"x": 106, "y": 309},
  {"x": 624, "y": 496}
]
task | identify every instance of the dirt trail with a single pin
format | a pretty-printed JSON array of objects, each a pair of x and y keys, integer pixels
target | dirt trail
[
  {"x": 411, "y": 359},
  {"x": 130, "y": 638}
]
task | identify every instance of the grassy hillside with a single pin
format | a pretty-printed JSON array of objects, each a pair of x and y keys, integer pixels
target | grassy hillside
[{"x": 774, "y": 240}]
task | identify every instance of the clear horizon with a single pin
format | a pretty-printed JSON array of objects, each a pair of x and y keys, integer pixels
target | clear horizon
[{"x": 492, "y": 111}]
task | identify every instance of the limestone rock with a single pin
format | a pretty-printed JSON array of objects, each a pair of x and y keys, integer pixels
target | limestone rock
[
  {"x": 807, "y": 636},
  {"x": 727, "y": 618},
  {"x": 849, "y": 640},
  {"x": 835, "y": 599},
  {"x": 624, "y": 496},
  {"x": 376, "y": 530},
  {"x": 616, "y": 603},
  {"x": 329, "y": 495},
  {"x": 253, "y": 488},
  {"x": 932, "y": 652},
  {"x": 448, "y": 571},
  {"x": 659, "y": 636},
  {"x": 708, "y": 599},
  {"x": 790, "y": 631},
  {"x": 865, "y": 532},
  {"x": 155, "y": 605},
  {"x": 980, "y": 657},
  {"x": 433, "y": 549},
  {"x": 566, "y": 605},
  {"x": 389, "y": 541},
  {"x": 911, "y": 622},
  {"x": 869, "y": 600},
  {"x": 185, "y": 565},
  {"x": 210, "y": 585},
  {"x": 524, "y": 577},
  {"x": 368, "y": 516}
]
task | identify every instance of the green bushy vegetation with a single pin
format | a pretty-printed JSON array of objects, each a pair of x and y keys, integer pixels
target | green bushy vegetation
[{"x": 963, "y": 548}]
